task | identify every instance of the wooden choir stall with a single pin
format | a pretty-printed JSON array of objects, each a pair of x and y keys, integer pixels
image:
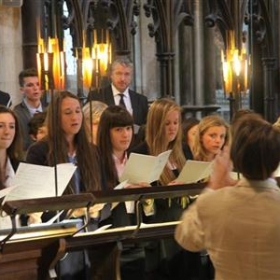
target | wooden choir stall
[{"x": 32, "y": 252}]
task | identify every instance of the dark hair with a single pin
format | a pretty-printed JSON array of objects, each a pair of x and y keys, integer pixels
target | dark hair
[
  {"x": 87, "y": 154},
  {"x": 37, "y": 121},
  {"x": 113, "y": 116},
  {"x": 15, "y": 151},
  {"x": 30, "y": 72},
  {"x": 187, "y": 124},
  {"x": 240, "y": 113},
  {"x": 243, "y": 119},
  {"x": 116, "y": 116},
  {"x": 255, "y": 150}
]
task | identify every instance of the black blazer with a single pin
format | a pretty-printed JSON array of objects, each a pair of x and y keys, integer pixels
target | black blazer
[
  {"x": 139, "y": 102},
  {"x": 37, "y": 154},
  {"x": 166, "y": 209},
  {"x": 143, "y": 148},
  {"x": 5, "y": 99}
]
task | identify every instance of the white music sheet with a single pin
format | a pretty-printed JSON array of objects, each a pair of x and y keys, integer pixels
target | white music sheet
[
  {"x": 37, "y": 181},
  {"x": 144, "y": 168}
]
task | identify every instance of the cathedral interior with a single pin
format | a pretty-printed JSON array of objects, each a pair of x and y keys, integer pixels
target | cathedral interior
[
  {"x": 185, "y": 50},
  {"x": 209, "y": 56}
]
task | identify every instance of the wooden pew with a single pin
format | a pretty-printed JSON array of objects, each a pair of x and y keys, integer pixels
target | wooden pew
[
  {"x": 34, "y": 254},
  {"x": 29, "y": 253},
  {"x": 105, "y": 246}
]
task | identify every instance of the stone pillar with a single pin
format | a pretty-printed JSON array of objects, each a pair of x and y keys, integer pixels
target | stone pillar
[
  {"x": 10, "y": 51},
  {"x": 146, "y": 68},
  {"x": 210, "y": 66},
  {"x": 270, "y": 108},
  {"x": 198, "y": 52},
  {"x": 30, "y": 13},
  {"x": 186, "y": 71}
]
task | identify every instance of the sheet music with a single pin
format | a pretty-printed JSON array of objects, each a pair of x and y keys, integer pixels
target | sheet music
[
  {"x": 5, "y": 191},
  {"x": 277, "y": 172},
  {"x": 103, "y": 228},
  {"x": 144, "y": 168},
  {"x": 194, "y": 171},
  {"x": 37, "y": 181},
  {"x": 50, "y": 221},
  {"x": 236, "y": 175},
  {"x": 63, "y": 228},
  {"x": 107, "y": 229},
  {"x": 121, "y": 185}
]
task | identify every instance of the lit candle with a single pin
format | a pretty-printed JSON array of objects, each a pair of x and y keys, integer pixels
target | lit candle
[
  {"x": 62, "y": 74},
  {"x": 87, "y": 68},
  {"x": 94, "y": 37}
]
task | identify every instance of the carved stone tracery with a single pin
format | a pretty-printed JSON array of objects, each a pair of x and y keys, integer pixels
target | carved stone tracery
[{"x": 167, "y": 15}]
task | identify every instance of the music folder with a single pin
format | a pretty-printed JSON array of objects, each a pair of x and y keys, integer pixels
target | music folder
[
  {"x": 144, "y": 168},
  {"x": 194, "y": 171},
  {"x": 38, "y": 181},
  {"x": 26, "y": 206}
]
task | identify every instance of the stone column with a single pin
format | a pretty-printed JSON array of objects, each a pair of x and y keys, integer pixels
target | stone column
[
  {"x": 270, "y": 108},
  {"x": 146, "y": 68},
  {"x": 198, "y": 52},
  {"x": 30, "y": 13},
  {"x": 10, "y": 51}
]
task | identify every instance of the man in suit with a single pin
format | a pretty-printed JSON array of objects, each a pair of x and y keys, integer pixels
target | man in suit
[
  {"x": 118, "y": 93},
  {"x": 5, "y": 99},
  {"x": 31, "y": 103}
]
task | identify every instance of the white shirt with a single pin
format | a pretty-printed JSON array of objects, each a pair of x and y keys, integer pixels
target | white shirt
[
  {"x": 10, "y": 174},
  {"x": 33, "y": 110},
  {"x": 5, "y": 221},
  {"x": 126, "y": 98}
]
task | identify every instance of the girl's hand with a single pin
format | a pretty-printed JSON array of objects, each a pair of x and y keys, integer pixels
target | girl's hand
[
  {"x": 174, "y": 183},
  {"x": 79, "y": 212},
  {"x": 94, "y": 210},
  {"x": 35, "y": 218},
  {"x": 138, "y": 185}
]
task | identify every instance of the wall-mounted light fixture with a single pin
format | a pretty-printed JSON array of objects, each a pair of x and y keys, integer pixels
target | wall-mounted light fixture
[
  {"x": 50, "y": 64},
  {"x": 236, "y": 75},
  {"x": 235, "y": 70},
  {"x": 96, "y": 60}
]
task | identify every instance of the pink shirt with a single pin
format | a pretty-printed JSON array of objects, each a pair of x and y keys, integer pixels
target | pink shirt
[{"x": 120, "y": 165}]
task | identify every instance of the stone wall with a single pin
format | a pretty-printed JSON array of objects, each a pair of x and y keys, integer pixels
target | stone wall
[{"x": 10, "y": 51}]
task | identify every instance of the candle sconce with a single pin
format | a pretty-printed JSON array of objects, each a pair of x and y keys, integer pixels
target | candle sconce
[
  {"x": 51, "y": 65},
  {"x": 236, "y": 76},
  {"x": 93, "y": 62},
  {"x": 45, "y": 65}
]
